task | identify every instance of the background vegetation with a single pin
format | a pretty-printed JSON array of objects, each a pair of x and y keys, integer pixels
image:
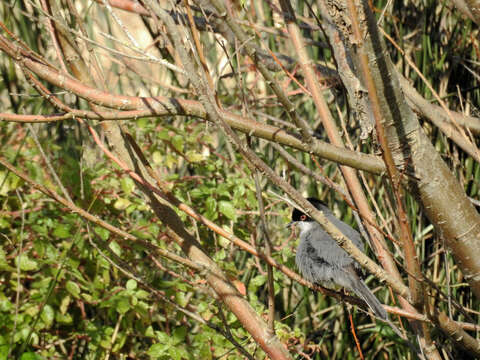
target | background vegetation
[{"x": 94, "y": 265}]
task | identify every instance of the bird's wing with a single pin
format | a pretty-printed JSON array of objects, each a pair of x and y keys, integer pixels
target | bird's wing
[
  {"x": 320, "y": 245},
  {"x": 347, "y": 230}
]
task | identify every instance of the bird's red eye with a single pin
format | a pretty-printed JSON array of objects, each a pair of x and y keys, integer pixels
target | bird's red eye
[{"x": 303, "y": 217}]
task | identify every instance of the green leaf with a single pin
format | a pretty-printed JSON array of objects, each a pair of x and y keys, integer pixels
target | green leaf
[
  {"x": 65, "y": 319},
  {"x": 174, "y": 353},
  {"x": 211, "y": 208},
  {"x": 194, "y": 156},
  {"x": 157, "y": 350},
  {"x": 143, "y": 123},
  {"x": 157, "y": 157},
  {"x": 258, "y": 281},
  {"x": 223, "y": 190},
  {"x": 220, "y": 255},
  {"x": 238, "y": 191},
  {"x": 103, "y": 233},
  {"x": 5, "y": 304},
  {"x": 8, "y": 182},
  {"x": 116, "y": 248},
  {"x": 62, "y": 231},
  {"x": 122, "y": 204},
  {"x": 26, "y": 264},
  {"x": 43, "y": 284},
  {"x": 171, "y": 160},
  {"x": 87, "y": 297},
  {"x": 4, "y": 351},
  {"x": 181, "y": 298},
  {"x": 48, "y": 314},
  {"x": 150, "y": 332},
  {"x": 123, "y": 305},
  {"x": 164, "y": 134},
  {"x": 227, "y": 209},
  {"x": 73, "y": 289},
  {"x": 121, "y": 339},
  {"x": 64, "y": 304},
  {"x": 4, "y": 223},
  {"x": 3, "y": 261},
  {"x": 205, "y": 352},
  {"x": 163, "y": 338},
  {"x": 177, "y": 142},
  {"x": 30, "y": 356},
  {"x": 179, "y": 334},
  {"x": 224, "y": 242},
  {"x": 211, "y": 204},
  {"x": 142, "y": 294},
  {"x": 196, "y": 193},
  {"x": 131, "y": 284},
  {"x": 32, "y": 310},
  {"x": 127, "y": 185}
]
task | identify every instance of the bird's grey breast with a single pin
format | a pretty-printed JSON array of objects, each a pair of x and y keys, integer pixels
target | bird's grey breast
[{"x": 316, "y": 244}]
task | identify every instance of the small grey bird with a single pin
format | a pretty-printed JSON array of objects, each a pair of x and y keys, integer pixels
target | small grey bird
[{"x": 322, "y": 261}]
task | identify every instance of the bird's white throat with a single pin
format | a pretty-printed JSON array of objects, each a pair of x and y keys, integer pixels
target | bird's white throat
[{"x": 305, "y": 226}]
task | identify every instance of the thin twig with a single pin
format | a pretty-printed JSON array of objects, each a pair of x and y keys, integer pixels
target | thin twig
[
  {"x": 268, "y": 251},
  {"x": 357, "y": 343}
]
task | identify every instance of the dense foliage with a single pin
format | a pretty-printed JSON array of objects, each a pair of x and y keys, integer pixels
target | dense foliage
[{"x": 71, "y": 289}]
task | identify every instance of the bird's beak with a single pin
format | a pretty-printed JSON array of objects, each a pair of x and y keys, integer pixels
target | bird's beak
[{"x": 290, "y": 224}]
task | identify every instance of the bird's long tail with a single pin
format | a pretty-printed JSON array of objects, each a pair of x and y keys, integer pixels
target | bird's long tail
[{"x": 359, "y": 287}]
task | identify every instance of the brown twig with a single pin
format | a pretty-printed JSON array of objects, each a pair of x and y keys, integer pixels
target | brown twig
[
  {"x": 357, "y": 343},
  {"x": 268, "y": 251}
]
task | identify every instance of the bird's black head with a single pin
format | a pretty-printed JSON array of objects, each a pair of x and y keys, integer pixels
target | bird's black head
[{"x": 298, "y": 215}]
